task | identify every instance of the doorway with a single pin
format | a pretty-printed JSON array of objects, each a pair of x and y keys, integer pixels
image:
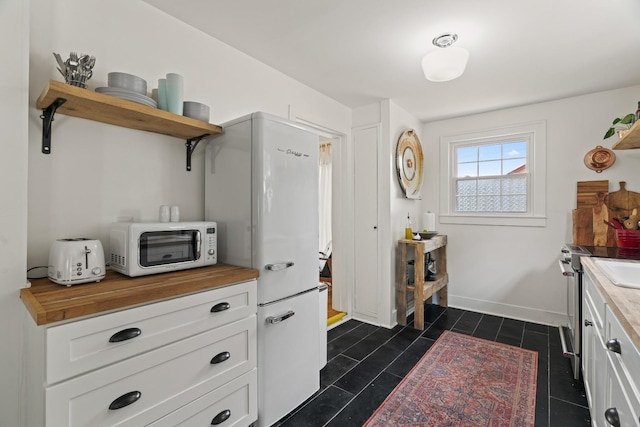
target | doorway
[
  {"x": 325, "y": 218},
  {"x": 341, "y": 296}
]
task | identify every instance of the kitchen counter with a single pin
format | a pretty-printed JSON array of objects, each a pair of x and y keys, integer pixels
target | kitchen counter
[
  {"x": 48, "y": 302},
  {"x": 624, "y": 302}
]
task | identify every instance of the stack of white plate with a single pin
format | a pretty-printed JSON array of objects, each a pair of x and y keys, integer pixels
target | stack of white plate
[
  {"x": 129, "y": 87},
  {"x": 196, "y": 110}
]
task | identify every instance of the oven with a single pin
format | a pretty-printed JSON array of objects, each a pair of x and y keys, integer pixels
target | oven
[{"x": 571, "y": 333}]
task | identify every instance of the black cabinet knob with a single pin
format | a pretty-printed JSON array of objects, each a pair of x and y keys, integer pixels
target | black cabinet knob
[
  {"x": 612, "y": 417},
  {"x": 588, "y": 322},
  {"x": 614, "y": 345}
]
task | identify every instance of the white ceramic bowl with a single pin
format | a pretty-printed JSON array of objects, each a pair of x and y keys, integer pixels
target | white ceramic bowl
[
  {"x": 196, "y": 110},
  {"x": 127, "y": 82}
]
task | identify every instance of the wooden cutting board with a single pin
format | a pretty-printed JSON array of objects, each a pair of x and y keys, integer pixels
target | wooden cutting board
[
  {"x": 587, "y": 191},
  {"x": 589, "y": 226},
  {"x": 622, "y": 202}
]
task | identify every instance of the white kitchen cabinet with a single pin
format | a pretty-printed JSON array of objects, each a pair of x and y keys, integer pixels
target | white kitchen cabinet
[
  {"x": 622, "y": 400},
  {"x": 610, "y": 363},
  {"x": 594, "y": 353},
  {"x": 186, "y": 358}
]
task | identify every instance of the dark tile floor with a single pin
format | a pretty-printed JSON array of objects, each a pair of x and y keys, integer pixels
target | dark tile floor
[{"x": 366, "y": 362}]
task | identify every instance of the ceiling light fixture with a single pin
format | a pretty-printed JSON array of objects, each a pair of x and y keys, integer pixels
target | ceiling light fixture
[{"x": 447, "y": 63}]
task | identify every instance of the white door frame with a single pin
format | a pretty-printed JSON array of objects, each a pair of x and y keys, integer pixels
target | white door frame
[{"x": 341, "y": 217}]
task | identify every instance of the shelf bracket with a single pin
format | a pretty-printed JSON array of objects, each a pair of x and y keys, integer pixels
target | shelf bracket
[
  {"x": 190, "y": 149},
  {"x": 47, "y": 119}
]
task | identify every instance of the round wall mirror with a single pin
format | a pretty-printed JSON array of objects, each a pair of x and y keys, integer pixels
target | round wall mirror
[{"x": 409, "y": 164}]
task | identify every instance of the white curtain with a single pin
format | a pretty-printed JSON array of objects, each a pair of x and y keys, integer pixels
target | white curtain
[{"x": 324, "y": 192}]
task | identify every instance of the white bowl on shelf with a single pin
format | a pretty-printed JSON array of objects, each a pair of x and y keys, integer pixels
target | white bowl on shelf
[
  {"x": 128, "y": 82},
  {"x": 196, "y": 110}
]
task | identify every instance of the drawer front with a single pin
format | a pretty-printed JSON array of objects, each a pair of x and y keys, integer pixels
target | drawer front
[
  {"x": 596, "y": 300},
  {"x": 233, "y": 404},
  {"x": 167, "y": 379},
  {"x": 79, "y": 347},
  {"x": 619, "y": 396},
  {"x": 628, "y": 360}
]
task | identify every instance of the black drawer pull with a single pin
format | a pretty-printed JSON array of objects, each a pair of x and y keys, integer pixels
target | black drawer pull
[
  {"x": 125, "y": 400},
  {"x": 221, "y": 357},
  {"x": 125, "y": 334},
  {"x": 221, "y": 417},
  {"x": 614, "y": 345},
  {"x": 222, "y": 306},
  {"x": 588, "y": 322},
  {"x": 612, "y": 417}
]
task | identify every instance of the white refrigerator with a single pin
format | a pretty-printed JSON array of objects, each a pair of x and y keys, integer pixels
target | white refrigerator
[{"x": 261, "y": 187}]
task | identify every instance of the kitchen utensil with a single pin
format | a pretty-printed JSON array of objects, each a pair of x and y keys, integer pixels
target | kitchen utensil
[
  {"x": 162, "y": 94},
  {"x": 427, "y": 235},
  {"x": 175, "y": 93},
  {"x": 175, "y": 214},
  {"x": 75, "y": 261},
  {"x": 128, "y": 82},
  {"x": 631, "y": 223},
  {"x": 61, "y": 63},
  {"x": 590, "y": 225},
  {"x": 587, "y": 190},
  {"x": 196, "y": 110},
  {"x": 599, "y": 158},
  {"x": 77, "y": 69},
  {"x": 615, "y": 224},
  {"x": 165, "y": 213},
  {"x": 628, "y": 238},
  {"x": 622, "y": 202},
  {"x": 128, "y": 95}
]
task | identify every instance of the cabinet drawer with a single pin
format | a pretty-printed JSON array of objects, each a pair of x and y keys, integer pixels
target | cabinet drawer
[
  {"x": 628, "y": 360},
  {"x": 167, "y": 379},
  {"x": 238, "y": 397},
  {"x": 81, "y": 346},
  {"x": 596, "y": 300},
  {"x": 620, "y": 395}
]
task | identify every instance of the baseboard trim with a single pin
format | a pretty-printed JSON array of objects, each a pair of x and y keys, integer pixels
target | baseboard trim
[{"x": 508, "y": 310}]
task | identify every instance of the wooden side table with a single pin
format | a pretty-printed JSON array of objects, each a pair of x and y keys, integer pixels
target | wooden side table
[{"x": 422, "y": 289}]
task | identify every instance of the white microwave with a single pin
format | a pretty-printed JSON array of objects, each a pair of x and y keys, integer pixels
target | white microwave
[{"x": 139, "y": 248}]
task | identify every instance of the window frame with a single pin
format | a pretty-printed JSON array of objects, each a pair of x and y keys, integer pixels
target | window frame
[{"x": 535, "y": 134}]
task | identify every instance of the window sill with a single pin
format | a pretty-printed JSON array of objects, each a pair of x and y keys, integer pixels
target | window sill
[{"x": 504, "y": 220}]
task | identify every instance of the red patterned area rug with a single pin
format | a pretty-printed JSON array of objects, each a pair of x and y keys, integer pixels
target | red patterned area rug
[{"x": 464, "y": 381}]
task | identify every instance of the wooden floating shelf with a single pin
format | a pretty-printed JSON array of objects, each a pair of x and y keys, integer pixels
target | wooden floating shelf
[
  {"x": 630, "y": 140},
  {"x": 87, "y": 104}
]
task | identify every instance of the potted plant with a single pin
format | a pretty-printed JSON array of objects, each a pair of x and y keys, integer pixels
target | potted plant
[{"x": 620, "y": 124}]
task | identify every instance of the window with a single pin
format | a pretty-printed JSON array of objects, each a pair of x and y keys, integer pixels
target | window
[{"x": 495, "y": 177}]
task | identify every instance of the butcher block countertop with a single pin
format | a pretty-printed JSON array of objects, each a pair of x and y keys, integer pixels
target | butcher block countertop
[
  {"x": 48, "y": 302},
  {"x": 624, "y": 302}
]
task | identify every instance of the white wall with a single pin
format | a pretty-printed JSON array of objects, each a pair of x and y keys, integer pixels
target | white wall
[
  {"x": 399, "y": 121},
  {"x": 97, "y": 173},
  {"x": 513, "y": 271},
  {"x": 14, "y": 30},
  {"x": 393, "y": 206}
]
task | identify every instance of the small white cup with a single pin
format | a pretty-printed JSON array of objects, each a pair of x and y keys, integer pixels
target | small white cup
[
  {"x": 175, "y": 214},
  {"x": 165, "y": 213}
]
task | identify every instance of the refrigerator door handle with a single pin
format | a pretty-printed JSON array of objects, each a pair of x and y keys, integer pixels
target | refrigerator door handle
[
  {"x": 279, "y": 266},
  {"x": 277, "y": 319}
]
